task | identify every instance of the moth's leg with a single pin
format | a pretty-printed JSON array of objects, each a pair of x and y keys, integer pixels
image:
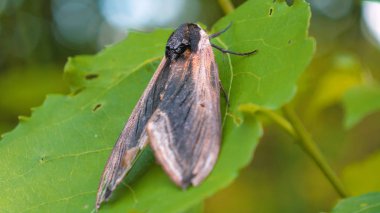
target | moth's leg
[
  {"x": 233, "y": 53},
  {"x": 224, "y": 93},
  {"x": 220, "y": 32}
]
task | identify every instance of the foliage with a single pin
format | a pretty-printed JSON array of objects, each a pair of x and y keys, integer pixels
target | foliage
[
  {"x": 368, "y": 203},
  {"x": 360, "y": 102},
  {"x": 54, "y": 159}
]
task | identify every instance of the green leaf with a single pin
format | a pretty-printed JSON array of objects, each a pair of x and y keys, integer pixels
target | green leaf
[
  {"x": 197, "y": 208},
  {"x": 368, "y": 203},
  {"x": 54, "y": 160},
  {"x": 28, "y": 85},
  {"x": 367, "y": 170},
  {"x": 360, "y": 102},
  {"x": 279, "y": 33}
]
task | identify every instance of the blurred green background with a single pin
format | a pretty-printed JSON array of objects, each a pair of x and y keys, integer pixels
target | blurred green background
[{"x": 36, "y": 37}]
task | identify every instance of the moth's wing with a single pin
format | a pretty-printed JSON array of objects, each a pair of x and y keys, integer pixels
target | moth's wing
[
  {"x": 184, "y": 131},
  {"x": 133, "y": 137}
]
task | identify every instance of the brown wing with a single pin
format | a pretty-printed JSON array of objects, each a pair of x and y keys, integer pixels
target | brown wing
[
  {"x": 184, "y": 131},
  {"x": 133, "y": 137}
]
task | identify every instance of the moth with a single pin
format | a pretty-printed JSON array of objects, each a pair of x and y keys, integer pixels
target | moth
[{"x": 178, "y": 114}]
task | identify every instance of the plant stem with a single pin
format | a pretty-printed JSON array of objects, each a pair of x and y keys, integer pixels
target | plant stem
[
  {"x": 307, "y": 143},
  {"x": 279, "y": 120},
  {"x": 226, "y": 5}
]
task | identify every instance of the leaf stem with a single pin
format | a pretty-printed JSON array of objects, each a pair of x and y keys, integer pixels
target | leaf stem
[
  {"x": 294, "y": 127},
  {"x": 227, "y": 6},
  {"x": 279, "y": 120},
  {"x": 306, "y": 142}
]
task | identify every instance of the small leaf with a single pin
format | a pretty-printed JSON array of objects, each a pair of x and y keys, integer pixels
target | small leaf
[
  {"x": 360, "y": 102},
  {"x": 368, "y": 203}
]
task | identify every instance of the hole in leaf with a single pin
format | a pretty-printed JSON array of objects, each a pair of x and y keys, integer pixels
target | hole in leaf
[
  {"x": 91, "y": 76},
  {"x": 289, "y": 2},
  {"x": 42, "y": 159},
  {"x": 270, "y": 11},
  {"x": 77, "y": 91},
  {"x": 97, "y": 106}
]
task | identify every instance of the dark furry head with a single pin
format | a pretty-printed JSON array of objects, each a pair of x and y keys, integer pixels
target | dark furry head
[{"x": 185, "y": 37}]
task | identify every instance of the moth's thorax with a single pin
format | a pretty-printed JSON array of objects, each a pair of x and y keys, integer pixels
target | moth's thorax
[
  {"x": 204, "y": 41},
  {"x": 185, "y": 37}
]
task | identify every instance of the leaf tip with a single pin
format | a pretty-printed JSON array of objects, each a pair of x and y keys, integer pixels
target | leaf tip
[{"x": 23, "y": 118}]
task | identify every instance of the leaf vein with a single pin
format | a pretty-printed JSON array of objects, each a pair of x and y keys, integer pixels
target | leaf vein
[{"x": 59, "y": 200}]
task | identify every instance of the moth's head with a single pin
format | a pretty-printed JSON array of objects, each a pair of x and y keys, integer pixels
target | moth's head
[{"x": 185, "y": 37}]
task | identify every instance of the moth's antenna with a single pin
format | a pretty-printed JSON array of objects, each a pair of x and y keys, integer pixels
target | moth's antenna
[
  {"x": 224, "y": 50},
  {"x": 220, "y": 32},
  {"x": 233, "y": 53}
]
